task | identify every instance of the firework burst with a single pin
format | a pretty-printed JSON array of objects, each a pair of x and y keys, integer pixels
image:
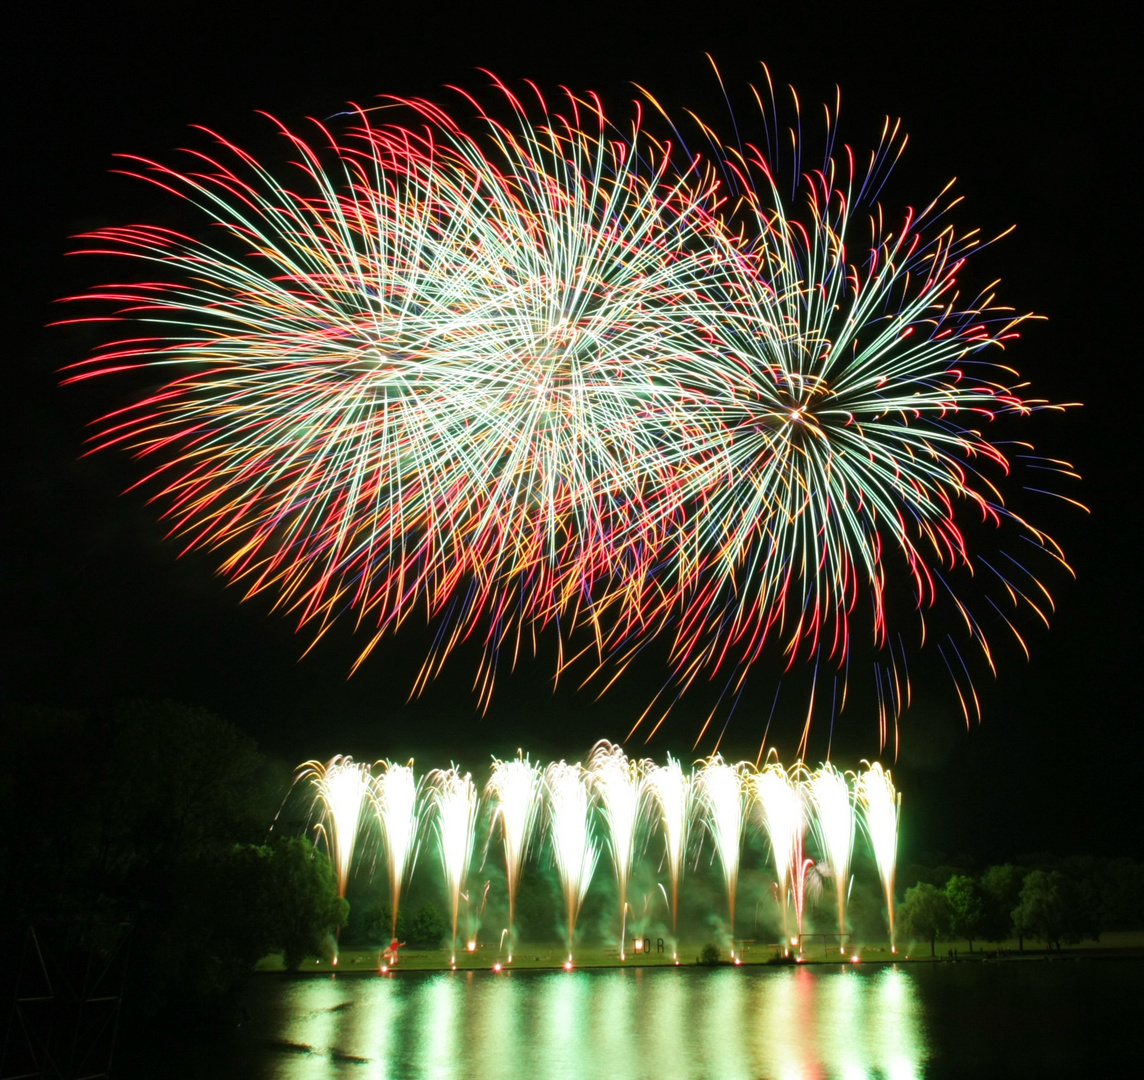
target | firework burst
[
  {"x": 435, "y": 373},
  {"x": 540, "y": 372},
  {"x": 852, "y": 379}
]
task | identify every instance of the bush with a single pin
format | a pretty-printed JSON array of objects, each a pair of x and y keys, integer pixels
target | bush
[{"x": 708, "y": 955}]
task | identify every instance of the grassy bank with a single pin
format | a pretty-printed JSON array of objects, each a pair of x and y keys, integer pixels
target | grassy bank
[{"x": 550, "y": 955}]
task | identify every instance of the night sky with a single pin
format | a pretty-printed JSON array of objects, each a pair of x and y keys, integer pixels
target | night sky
[{"x": 1035, "y": 119}]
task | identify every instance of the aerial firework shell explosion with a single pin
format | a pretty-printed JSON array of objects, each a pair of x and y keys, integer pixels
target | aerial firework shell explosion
[{"x": 543, "y": 373}]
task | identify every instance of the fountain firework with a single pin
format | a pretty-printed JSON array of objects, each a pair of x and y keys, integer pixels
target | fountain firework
[
  {"x": 619, "y": 784},
  {"x": 881, "y": 806},
  {"x": 833, "y": 803},
  {"x": 574, "y": 849},
  {"x": 340, "y": 786},
  {"x": 784, "y": 821},
  {"x": 514, "y": 789},
  {"x": 672, "y": 790},
  {"x": 396, "y": 801},
  {"x": 454, "y": 801},
  {"x": 720, "y": 788}
]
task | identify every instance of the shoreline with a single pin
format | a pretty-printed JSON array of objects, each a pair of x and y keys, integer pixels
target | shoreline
[{"x": 365, "y": 962}]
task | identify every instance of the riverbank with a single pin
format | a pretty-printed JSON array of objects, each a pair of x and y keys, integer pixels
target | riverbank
[{"x": 551, "y": 956}]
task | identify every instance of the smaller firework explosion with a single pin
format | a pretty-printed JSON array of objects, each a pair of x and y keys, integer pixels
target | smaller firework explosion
[
  {"x": 881, "y": 806},
  {"x": 453, "y": 797},
  {"x": 673, "y": 791},
  {"x": 834, "y": 819},
  {"x": 340, "y": 786},
  {"x": 397, "y": 803},
  {"x": 720, "y": 788},
  {"x": 574, "y": 849},
  {"x": 619, "y": 786},
  {"x": 783, "y": 817},
  {"x": 514, "y": 791}
]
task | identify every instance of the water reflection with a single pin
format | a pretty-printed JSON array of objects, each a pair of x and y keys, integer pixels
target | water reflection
[{"x": 730, "y": 1023}]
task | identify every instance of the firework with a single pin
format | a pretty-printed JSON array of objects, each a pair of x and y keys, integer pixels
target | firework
[
  {"x": 397, "y": 803},
  {"x": 436, "y": 374},
  {"x": 852, "y": 379},
  {"x": 832, "y": 800},
  {"x": 514, "y": 792},
  {"x": 546, "y": 374},
  {"x": 783, "y": 815},
  {"x": 619, "y": 786},
  {"x": 453, "y": 797},
  {"x": 574, "y": 849},
  {"x": 673, "y": 792},
  {"x": 881, "y": 806},
  {"x": 340, "y": 787},
  {"x": 720, "y": 789}
]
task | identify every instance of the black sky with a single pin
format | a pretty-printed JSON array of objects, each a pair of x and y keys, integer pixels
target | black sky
[{"x": 1036, "y": 117}]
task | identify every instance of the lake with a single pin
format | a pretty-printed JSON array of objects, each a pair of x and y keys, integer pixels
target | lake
[{"x": 1016, "y": 1018}]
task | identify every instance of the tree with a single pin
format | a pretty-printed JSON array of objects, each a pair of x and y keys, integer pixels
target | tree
[
  {"x": 925, "y": 913},
  {"x": 303, "y": 910},
  {"x": 1000, "y": 891},
  {"x": 965, "y": 908},
  {"x": 1040, "y": 911},
  {"x": 1056, "y": 909}
]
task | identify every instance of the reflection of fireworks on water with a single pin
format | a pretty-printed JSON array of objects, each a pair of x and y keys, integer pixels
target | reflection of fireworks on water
[
  {"x": 720, "y": 788},
  {"x": 396, "y": 801},
  {"x": 881, "y": 806},
  {"x": 574, "y": 850},
  {"x": 454, "y": 800},
  {"x": 672, "y": 791},
  {"x": 619, "y": 786},
  {"x": 540, "y": 378},
  {"x": 514, "y": 792},
  {"x": 833, "y": 803},
  {"x": 340, "y": 787}
]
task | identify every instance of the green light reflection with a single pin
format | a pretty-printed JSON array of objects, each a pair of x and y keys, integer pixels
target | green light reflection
[{"x": 791, "y": 1023}]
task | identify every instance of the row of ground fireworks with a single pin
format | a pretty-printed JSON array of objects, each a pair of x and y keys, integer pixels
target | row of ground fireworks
[{"x": 615, "y": 802}]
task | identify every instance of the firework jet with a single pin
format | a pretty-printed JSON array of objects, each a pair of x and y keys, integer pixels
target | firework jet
[
  {"x": 672, "y": 791},
  {"x": 783, "y": 815},
  {"x": 720, "y": 789},
  {"x": 514, "y": 792},
  {"x": 397, "y": 803},
  {"x": 340, "y": 787},
  {"x": 619, "y": 786},
  {"x": 545, "y": 373},
  {"x": 574, "y": 850},
  {"x": 881, "y": 806},
  {"x": 453, "y": 797},
  {"x": 834, "y": 819}
]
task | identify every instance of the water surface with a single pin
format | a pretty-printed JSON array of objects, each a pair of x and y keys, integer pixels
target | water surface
[{"x": 1007, "y": 1019}]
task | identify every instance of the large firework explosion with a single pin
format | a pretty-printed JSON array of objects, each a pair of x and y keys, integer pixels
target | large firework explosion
[{"x": 542, "y": 373}]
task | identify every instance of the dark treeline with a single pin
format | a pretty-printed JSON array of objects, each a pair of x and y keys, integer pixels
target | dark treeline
[
  {"x": 145, "y": 832},
  {"x": 1038, "y": 898}
]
